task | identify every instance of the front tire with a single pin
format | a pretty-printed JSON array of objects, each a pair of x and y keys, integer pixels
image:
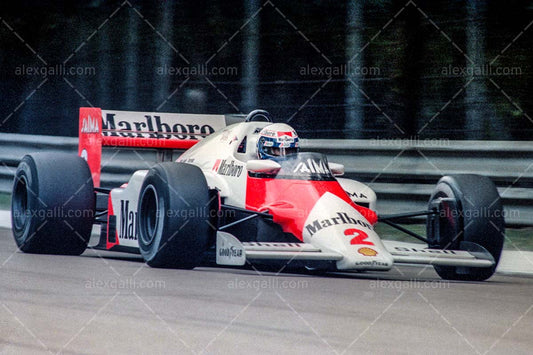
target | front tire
[
  {"x": 52, "y": 204},
  {"x": 476, "y": 216},
  {"x": 175, "y": 216}
]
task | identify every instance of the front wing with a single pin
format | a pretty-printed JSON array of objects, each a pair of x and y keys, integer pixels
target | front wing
[{"x": 231, "y": 251}]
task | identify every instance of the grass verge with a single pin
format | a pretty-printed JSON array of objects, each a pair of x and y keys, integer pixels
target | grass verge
[{"x": 5, "y": 201}]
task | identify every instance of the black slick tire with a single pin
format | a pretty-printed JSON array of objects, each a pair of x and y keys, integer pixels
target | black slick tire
[
  {"x": 52, "y": 204},
  {"x": 174, "y": 222},
  {"x": 477, "y": 217}
]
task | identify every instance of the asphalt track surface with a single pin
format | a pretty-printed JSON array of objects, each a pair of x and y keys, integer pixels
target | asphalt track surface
[{"x": 112, "y": 303}]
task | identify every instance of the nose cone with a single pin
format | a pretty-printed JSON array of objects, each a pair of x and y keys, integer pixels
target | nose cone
[{"x": 335, "y": 226}]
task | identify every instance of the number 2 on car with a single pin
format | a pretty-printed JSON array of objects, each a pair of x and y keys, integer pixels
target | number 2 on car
[{"x": 359, "y": 237}]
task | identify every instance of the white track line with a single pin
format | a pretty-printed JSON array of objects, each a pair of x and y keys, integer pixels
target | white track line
[{"x": 5, "y": 219}]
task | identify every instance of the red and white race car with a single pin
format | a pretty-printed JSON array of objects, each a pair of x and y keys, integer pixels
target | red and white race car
[{"x": 242, "y": 190}]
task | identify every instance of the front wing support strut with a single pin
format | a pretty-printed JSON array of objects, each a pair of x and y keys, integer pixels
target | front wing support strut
[{"x": 389, "y": 220}]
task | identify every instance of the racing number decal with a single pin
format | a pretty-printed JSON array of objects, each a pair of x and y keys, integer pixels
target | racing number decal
[{"x": 358, "y": 237}]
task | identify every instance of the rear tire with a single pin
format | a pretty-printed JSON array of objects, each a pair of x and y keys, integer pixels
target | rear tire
[
  {"x": 175, "y": 222},
  {"x": 52, "y": 205},
  {"x": 476, "y": 217}
]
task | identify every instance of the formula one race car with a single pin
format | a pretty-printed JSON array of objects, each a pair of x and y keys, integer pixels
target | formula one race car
[{"x": 242, "y": 191}]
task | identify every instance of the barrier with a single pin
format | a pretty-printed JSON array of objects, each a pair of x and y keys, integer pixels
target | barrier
[{"x": 403, "y": 173}]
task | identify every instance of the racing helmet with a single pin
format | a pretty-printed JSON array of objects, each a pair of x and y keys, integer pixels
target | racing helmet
[{"x": 277, "y": 140}]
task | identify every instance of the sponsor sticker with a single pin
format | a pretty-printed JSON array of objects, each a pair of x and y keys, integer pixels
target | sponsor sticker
[
  {"x": 90, "y": 125},
  {"x": 311, "y": 166},
  {"x": 367, "y": 251},
  {"x": 371, "y": 263},
  {"x": 229, "y": 250},
  {"x": 285, "y": 137},
  {"x": 165, "y": 125},
  {"x": 268, "y": 133},
  {"x": 341, "y": 218},
  {"x": 223, "y": 167},
  {"x": 128, "y": 221}
]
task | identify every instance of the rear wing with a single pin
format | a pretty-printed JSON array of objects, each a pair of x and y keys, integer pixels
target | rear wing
[{"x": 156, "y": 130}]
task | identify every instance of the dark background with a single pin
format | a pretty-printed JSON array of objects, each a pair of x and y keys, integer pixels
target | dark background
[{"x": 125, "y": 49}]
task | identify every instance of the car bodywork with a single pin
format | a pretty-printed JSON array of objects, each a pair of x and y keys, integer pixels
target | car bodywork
[{"x": 297, "y": 209}]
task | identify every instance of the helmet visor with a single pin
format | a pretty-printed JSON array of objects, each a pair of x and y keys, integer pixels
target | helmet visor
[{"x": 280, "y": 152}]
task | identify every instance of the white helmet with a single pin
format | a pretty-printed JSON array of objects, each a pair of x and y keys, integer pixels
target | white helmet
[{"x": 277, "y": 140}]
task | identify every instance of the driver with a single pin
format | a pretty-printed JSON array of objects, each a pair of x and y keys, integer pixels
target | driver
[{"x": 277, "y": 140}]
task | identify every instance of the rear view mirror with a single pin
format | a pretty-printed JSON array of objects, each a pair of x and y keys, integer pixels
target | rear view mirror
[
  {"x": 266, "y": 166},
  {"x": 336, "y": 169}
]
